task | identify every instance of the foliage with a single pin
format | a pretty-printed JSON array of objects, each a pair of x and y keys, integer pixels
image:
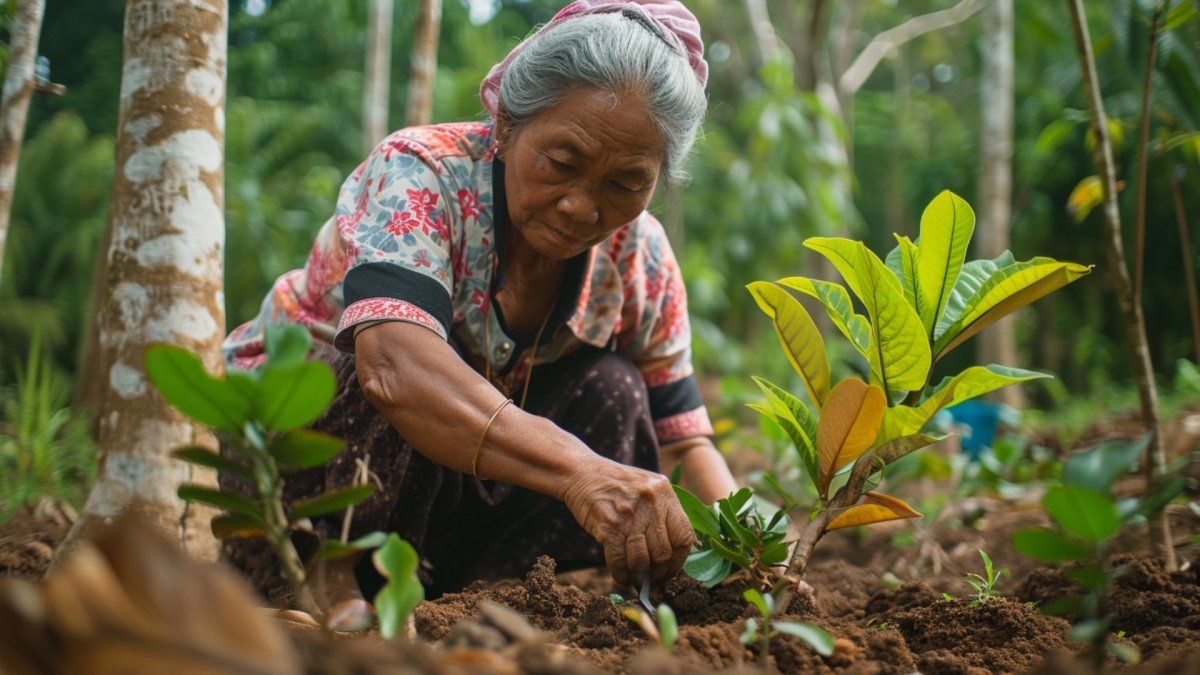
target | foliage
[
  {"x": 45, "y": 448},
  {"x": 733, "y": 531},
  {"x": 767, "y": 605},
  {"x": 397, "y": 561},
  {"x": 921, "y": 304},
  {"x": 258, "y": 415},
  {"x": 1087, "y": 517},
  {"x": 985, "y": 584}
]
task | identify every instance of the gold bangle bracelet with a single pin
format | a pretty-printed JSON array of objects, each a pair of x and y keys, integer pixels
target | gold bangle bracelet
[{"x": 483, "y": 437}]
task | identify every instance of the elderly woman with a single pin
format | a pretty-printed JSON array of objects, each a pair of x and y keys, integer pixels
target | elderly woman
[{"x": 508, "y": 324}]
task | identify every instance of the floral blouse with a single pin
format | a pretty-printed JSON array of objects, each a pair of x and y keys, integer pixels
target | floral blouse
[{"x": 417, "y": 236}]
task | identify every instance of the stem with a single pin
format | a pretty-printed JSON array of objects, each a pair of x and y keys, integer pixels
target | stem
[
  {"x": 765, "y": 650},
  {"x": 1139, "y": 259},
  {"x": 1189, "y": 269},
  {"x": 1131, "y": 309},
  {"x": 279, "y": 531}
]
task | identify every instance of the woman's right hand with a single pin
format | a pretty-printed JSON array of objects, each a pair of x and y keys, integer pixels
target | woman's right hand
[{"x": 634, "y": 514}]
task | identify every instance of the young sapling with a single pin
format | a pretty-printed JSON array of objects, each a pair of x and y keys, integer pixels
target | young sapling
[
  {"x": 984, "y": 585},
  {"x": 767, "y": 605}
]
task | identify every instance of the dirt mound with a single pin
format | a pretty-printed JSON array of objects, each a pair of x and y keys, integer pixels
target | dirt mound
[{"x": 27, "y": 545}]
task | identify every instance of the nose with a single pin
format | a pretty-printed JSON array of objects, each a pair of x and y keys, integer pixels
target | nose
[{"x": 579, "y": 205}]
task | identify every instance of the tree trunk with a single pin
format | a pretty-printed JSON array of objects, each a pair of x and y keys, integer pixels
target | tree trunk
[
  {"x": 19, "y": 84},
  {"x": 1189, "y": 268},
  {"x": 997, "y": 345},
  {"x": 1131, "y": 309},
  {"x": 378, "y": 73},
  {"x": 424, "y": 63},
  {"x": 164, "y": 280}
]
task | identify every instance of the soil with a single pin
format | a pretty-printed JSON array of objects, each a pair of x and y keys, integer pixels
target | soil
[{"x": 893, "y": 595}]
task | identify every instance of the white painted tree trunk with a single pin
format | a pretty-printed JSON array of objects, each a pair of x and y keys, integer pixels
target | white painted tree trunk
[
  {"x": 419, "y": 108},
  {"x": 378, "y": 73},
  {"x": 164, "y": 263},
  {"x": 997, "y": 345},
  {"x": 14, "y": 104}
]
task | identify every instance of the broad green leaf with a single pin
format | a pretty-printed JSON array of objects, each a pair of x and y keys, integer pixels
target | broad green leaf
[
  {"x": 1180, "y": 15},
  {"x": 759, "y": 601},
  {"x": 815, "y": 636},
  {"x": 708, "y": 567},
  {"x": 972, "y": 382},
  {"x": 876, "y": 508},
  {"x": 731, "y": 526},
  {"x": 1162, "y": 492},
  {"x": 1098, "y": 467},
  {"x": 181, "y": 378},
  {"x": 1090, "y": 577},
  {"x": 295, "y": 396},
  {"x": 331, "y": 502},
  {"x": 849, "y": 423},
  {"x": 396, "y": 560},
  {"x": 798, "y": 335},
  {"x": 206, "y": 457},
  {"x": 729, "y": 554},
  {"x": 900, "y": 421},
  {"x": 1125, "y": 652},
  {"x": 838, "y": 306},
  {"x": 1087, "y": 195},
  {"x": 287, "y": 346},
  {"x": 1083, "y": 512},
  {"x": 774, "y": 554},
  {"x": 332, "y": 549},
  {"x": 233, "y": 502},
  {"x": 738, "y": 500},
  {"x": 902, "y": 261},
  {"x": 946, "y": 228},
  {"x": 971, "y": 278},
  {"x": 1007, "y": 290},
  {"x": 394, "y": 603},
  {"x": 899, "y": 355},
  {"x": 304, "y": 448},
  {"x": 1050, "y": 546},
  {"x": 668, "y": 626},
  {"x": 703, "y": 520},
  {"x": 229, "y": 525}
]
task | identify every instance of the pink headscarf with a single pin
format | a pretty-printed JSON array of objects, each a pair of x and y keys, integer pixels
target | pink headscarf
[{"x": 676, "y": 22}]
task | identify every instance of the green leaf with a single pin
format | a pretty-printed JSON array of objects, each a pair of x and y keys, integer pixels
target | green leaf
[
  {"x": 668, "y": 626},
  {"x": 946, "y": 228},
  {"x": 229, "y": 525},
  {"x": 1049, "y": 546},
  {"x": 1125, "y": 652},
  {"x": 736, "y": 557},
  {"x": 1098, "y": 467},
  {"x": 1083, "y": 512},
  {"x": 233, "y": 502},
  {"x": 1088, "y": 630},
  {"x": 699, "y": 514},
  {"x": 1162, "y": 492},
  {"x": 801, "y": 341},
  {"x": 181, "y": 378},
  {"x": 750, "y": 634},
  {"x": 755, "y": 598},
  {"x": 775, "y": 553},
  {"x": 286, "y": 345},
  {"x": 972, "y": 382},
  {"x": 332, "y": 502},
  {"x": 210, "y": 459},
  {"x": 394, "y": 603},
  {"x": 838, "y": 306},
  {"x": 332, "y": 549},
  {"x": 1090, "y": 577},
  {"x": 902, "y": 261},
  {"x": 899, "y": 356},
  {"x": 294, "y": 396},
  {"x": 816, "y": 637},
  {"x": 304, "y": 448},
  {"x": 971, "y": 278},
  {"x": 731, "y": 525},
  {"x": 794, "y": 417},
  {"x": 1005, "y": 291},
  {"x": 396, "y": 559},
  {"x": 708, "y": 567}
]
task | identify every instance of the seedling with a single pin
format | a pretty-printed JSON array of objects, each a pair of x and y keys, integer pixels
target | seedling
[
  {"x": 985, "y": 585},
  {"x": 1087, "y": 518},
  {"x": 734, "y": 532},
  {"x": 921, "y": 304},
  {"x": 397, "y": 562},
  {"x": 260, "y": 416},
  {"x": 814, "y": 636}
]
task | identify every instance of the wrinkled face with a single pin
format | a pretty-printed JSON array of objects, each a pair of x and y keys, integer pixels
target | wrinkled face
[{"x": 579, "y": 170}]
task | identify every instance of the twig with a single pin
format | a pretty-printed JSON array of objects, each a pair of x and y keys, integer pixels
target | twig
[
  {"x": 881, "y": 44},
  {"x": 1189, "y": 269},
  {"x": 1139, "y": 259}
]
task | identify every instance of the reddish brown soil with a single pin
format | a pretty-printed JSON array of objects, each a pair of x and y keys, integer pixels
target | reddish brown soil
[{"x": 902, "y": 626}]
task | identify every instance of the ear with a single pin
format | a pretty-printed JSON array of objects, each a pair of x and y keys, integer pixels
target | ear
[{"x": 503, "y": 133}]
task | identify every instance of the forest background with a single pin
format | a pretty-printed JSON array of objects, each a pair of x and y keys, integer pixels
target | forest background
[{"x": 777, "y": 162}]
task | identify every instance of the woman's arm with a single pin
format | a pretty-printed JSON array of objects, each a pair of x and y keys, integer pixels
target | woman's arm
[
  {"x": 441, "y": 406},
  {"x": 705, "y": 472}
]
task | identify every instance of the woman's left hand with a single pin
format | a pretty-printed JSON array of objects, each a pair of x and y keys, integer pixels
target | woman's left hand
[{"x": 634, "y": 514}]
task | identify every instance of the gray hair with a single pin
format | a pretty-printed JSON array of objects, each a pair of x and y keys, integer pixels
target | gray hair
[{"x": 616, "y": 52}]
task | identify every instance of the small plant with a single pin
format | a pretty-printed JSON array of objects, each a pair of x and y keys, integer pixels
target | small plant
[
  {"x": 45, "y": 448},
  {"x": 814, "y": 636},
  {"x": 1087, "y": 517},
  {"x": 259, "y": 416},
  {"x": 733, "y": 532},
  {"x": 985, "y": 585},
  {"x": 397, "y": 561},
  {"x": 921, "y": 304}
]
